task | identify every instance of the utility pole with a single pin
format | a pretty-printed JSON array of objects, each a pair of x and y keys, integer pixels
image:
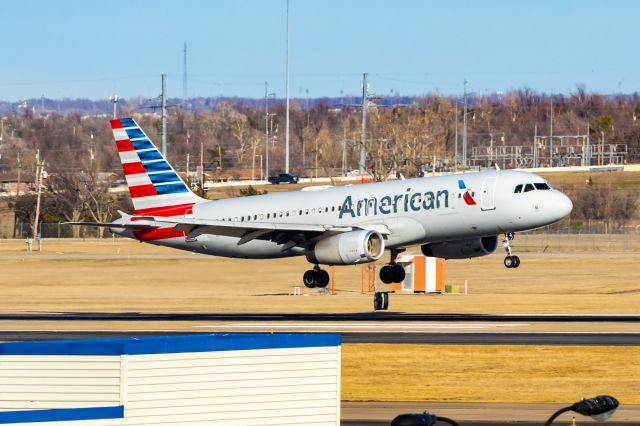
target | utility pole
[
  {"x": 344, "y": 151},
  {"x": 455, "y": 144},
  {"x": 39, "y": 167},
  {"x": 202, "y": 168},
  {"x": 464, "y": 128},
  {"x": 164, "y": 116},
  {"x": 286, "y": 134},
  {"x": 266, "y": 130},
  {"x": 184, "y": 72},
  {"x": 114, "y": 99},
  {"x": 551, "y": 137},
  {"x": 535, "y": 145},
  {"x": 363, "y": 133}
]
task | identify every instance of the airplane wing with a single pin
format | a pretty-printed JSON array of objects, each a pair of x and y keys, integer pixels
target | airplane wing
[
  {"x": 133, "y": 226},
  {"x": 287, "y": 234}
]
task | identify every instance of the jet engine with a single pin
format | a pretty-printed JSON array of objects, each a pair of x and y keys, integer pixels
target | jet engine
[
  {"x": 348, "y": 248},
  {"x": 462, "y": 249}
]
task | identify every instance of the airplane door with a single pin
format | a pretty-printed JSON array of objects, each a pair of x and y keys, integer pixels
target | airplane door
[{"x": 488, "y": 195}]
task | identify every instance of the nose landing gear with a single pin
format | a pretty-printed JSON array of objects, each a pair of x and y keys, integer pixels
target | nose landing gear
[
  {"x": 316, "y": 278},
  {"x": 510, "y": 261}
]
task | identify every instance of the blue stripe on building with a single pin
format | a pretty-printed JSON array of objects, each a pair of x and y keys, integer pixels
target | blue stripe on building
[
  {"x": 127, "y": 122},
  {"x": 158, "y": 166},
  {"x": 142, "y": 144},
  {"x": 164, "y": 177},
  {"x": 172, "y": 188},
  {"x": 62, "y": 414},
  {"x": 171, "y": 344},
  {"x": 134, "y": 133}
]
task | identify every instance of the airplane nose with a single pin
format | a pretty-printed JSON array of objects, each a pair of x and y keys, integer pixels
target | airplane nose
[{"x": 564, "y": 205}]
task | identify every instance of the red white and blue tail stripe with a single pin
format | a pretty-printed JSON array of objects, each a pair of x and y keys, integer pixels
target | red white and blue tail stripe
[{"x": 155, "y": 187}]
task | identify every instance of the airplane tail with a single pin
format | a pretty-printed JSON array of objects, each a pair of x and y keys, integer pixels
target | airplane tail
[{"x": 155, "y": 187}]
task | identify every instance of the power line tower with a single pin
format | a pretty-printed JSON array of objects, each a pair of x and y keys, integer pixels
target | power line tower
[{"x": 184, "y": 72}]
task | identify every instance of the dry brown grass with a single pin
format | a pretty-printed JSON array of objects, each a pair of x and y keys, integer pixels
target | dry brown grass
[
  {"x": 122, "y": 281},
  {"x": 518, "y": 374}
]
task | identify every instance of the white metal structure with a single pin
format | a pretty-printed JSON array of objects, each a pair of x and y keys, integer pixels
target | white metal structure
[{"x": 210, "y": 379}]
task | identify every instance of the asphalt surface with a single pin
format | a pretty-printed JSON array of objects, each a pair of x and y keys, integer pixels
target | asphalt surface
[
  {"x": 462, "y": 423},
  {"x": 315, "y": 317},
  {"x": 564, "y": 339}
]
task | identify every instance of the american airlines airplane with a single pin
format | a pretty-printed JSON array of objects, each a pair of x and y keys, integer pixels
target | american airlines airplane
[{"x": 456, "y": 216}]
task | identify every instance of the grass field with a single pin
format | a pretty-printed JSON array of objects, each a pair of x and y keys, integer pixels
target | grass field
[
  {"x": 120, "y": 275},
  {"x": 450, "y": 373}
]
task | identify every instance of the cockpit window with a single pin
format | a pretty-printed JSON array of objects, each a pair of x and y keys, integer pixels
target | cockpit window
[
  {"x": 542, "y": 186},
  {"x": 528, "y": 187},
  {"x": 518, "y": 189}
]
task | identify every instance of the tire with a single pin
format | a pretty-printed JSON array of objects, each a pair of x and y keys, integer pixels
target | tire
[
  {"x": 310, "y": 279},
  {"x": 380, "y": 301},
  {"x": 509, "y": 261},
  {"x": 517, "y": 261},
  {"x": 386, "y": 274},
  {"x": 323, "y": 278},
  {"x": 399, "y": 273}
]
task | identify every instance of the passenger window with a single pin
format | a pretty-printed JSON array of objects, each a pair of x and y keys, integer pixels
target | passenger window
[
  {"x": 333, "y": 208},
  {"x": 300, "y": 213},
  {"x": 518, "y": 189},
  {"x": 287, "y": 214},
  {"x": 326, "y": 209},
  {"x": 542, "y": 186},
  {"x": 306, "y": 211},
  {"x": 268, "y": 215},
  {"x": 255, "y": 217},
  {"x": 528, "y": 187},
  {"x": 261, "y": 216}
]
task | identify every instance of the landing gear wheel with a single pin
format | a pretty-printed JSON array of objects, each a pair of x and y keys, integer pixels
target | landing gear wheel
[
  {"x": 381, "y": 301},
  {"x": 310, "y": 279},
  {"x": 323, "y": 278},
  {"x": 398, "y": 273},
  {"x": 512, "y": 261},
  {"x": 386, "y": 274}
]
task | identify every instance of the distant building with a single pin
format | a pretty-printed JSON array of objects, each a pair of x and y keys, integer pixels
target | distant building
[{"x": 10, "y": 186}]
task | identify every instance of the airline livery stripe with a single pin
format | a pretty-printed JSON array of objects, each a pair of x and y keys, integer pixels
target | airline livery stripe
[
  {"x": 134, "y": 133},
  {"x": 159, "y": 166},
  {"x": 142, "y": 144},
  {"x": 120, "y": 134},
  {"x": 165, "y": 211},
  {"x": 124, "y": 145},
  {"x": 172, "y": 188},
  {"x": 164, "y": 177},
  {"x": 149, "y": 155},
  {"x": 129, "y": 157},
  {"x": 127, "y": 122},
  {"x": 133, "y": 168},
  {"x": 158, "y": 234},
  {"x": 142, "y": 191},
  {"x": 139, "y": 179},
  {"x": 116, "y": 124}
]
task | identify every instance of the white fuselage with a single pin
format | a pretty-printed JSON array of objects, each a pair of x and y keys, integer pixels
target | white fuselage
[{"x": 413, "y": 211}]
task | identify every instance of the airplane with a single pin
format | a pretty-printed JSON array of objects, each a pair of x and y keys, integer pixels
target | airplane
[{"x": 455, "y": 216}]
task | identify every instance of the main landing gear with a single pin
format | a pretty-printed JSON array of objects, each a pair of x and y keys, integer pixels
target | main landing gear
[
  {"x": 392, "y": 273},
  {"x": 316, "y": 278},
  {"x": 510, "y": 261}
]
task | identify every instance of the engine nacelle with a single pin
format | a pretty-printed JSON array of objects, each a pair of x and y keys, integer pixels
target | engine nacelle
[
  {"x": 461, "y": 249},
  {"x": 348, "y": 248}
]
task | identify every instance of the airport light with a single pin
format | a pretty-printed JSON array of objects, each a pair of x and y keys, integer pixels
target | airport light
[
  {"x": 599, "y": 408},
  {"x": 424, "y": 419}
]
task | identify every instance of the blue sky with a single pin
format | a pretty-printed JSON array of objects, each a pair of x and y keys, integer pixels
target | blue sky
[{"x": 69, "y": 48}]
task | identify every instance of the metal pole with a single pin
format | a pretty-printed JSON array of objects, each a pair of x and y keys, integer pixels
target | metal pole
[
  {"x": 286, "y": 133},
  {"x": 455, "y": 144},
  {"x": 464, "y": 128},
  {"x": 363, "y": 133},
  {"x": 184, "y": 73},
  {"x": 164, "y": 117},
  {"x": 344, "y": 151},
  {"x": 266, "y": 130},
  {"x": 551, "y": 137},
  {"x": 535, "y": 145}
]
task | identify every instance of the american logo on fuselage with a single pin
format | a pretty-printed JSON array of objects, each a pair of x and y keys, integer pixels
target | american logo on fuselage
[{"x": 389, "y": 204}]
